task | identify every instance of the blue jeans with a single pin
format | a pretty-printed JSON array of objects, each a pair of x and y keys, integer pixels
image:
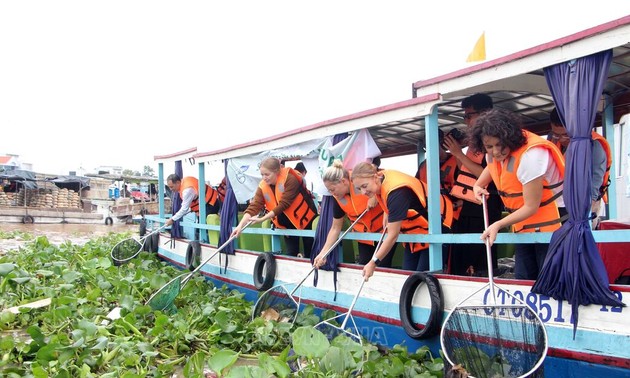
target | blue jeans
[{"x": 529, "y": 259}]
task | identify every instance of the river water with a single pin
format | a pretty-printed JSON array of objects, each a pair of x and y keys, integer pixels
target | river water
[{"x": 58, "y": 233}]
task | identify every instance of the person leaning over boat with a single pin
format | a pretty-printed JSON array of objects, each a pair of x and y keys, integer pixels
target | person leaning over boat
[
  {"x": 602, "y": 161},
  {"x": 470, "y": 259},
  {"x": 188, "y": 189},
  {"x": 404, "y": 200},
  {"x": 350, "y": 202},
  {"x": 288, "y": 203},
  {"x": 528, "y": 171}
]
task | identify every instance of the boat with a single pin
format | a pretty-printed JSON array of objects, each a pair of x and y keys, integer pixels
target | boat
[{"x": 403, "y": 307}]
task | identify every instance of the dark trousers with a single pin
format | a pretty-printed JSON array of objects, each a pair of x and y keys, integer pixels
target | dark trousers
[
  {"x": 419, "y": 261},
  {"x": 470, "y": 259},
  {"x": 293, "y": 245},
  {"x": 528, "y": 260},
  {"x": 366, "y": 252}
]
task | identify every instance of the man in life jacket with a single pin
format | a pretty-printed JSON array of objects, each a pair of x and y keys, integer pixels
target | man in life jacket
[
  {"x": 222, "y": 189},
  {"x": 288, "y": 203},
  {"x": 528, "y": 172},
  {"x": 469, "y": 259},
  {"x": 188, "y": 189},
  {"x": 602, "y": 160}
]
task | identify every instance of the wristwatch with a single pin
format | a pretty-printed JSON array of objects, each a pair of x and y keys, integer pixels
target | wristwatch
[{"x": 376, "y": 260}]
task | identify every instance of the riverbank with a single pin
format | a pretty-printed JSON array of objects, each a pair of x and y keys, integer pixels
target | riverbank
[{"x": 58, "y": 233}]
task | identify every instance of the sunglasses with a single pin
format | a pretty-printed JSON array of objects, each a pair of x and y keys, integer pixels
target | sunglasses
[{"x": 468, "y": 116}]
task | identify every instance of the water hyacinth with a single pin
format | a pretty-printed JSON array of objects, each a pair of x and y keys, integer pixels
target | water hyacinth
[{"x": 210, "y": 333}]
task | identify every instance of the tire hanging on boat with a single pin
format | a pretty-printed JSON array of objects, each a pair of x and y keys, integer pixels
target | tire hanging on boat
[
  {"x": 193, "y": 255},
  {"x": 109, "y": 221},
  {"x": 264, "y": 271},
  {"x": 143, "y": 227},
  {"x": 27, "y": 219},
  {"x": 432, "y": 325},
  {"x": 155, "y": 242}
]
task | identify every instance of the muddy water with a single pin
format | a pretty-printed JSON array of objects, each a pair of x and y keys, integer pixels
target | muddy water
[{"x": 59, "y": 233}]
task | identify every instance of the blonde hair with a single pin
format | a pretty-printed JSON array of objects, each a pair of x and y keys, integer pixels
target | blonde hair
[
  {"x": 335, "y": 173},
  {"x": 272, "y": 164},
  {"x": 364, "y": 170}
]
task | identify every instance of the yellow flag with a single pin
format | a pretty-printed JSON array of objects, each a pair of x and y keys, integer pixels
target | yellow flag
[{"x": 478, "y": 52}]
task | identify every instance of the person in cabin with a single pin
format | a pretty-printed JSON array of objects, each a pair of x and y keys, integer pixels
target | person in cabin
[
  {"x": 404, "y": 201},
  {"x": 301, "y": 168},
  {"x": 448, "y": 171},
  {"x": 351, "y": 203},
  {"x": 188, "y": 189},
  {"x": 222, "y": 189},
  {"x": 288, "y": 203},
  {"x": 602, "y": 160},
  {"x": 528, "y": 171},
  {"x": 470, "y": 259}
]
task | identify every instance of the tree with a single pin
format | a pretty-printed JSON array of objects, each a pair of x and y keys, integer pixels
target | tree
[
  {"x": 127, "y": 172},
  {"x": 148, "y": 171}
]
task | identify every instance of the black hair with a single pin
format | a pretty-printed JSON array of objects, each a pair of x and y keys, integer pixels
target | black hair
[
  {"x": 173, "y": 177},
  {"x": 499, "y": 123},
  {"x": 478, "y": 101},
  {"x": 554, "y": 117}
]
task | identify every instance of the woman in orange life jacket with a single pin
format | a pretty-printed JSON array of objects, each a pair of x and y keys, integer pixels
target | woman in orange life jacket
[
  {"x": 404, "y": 200},
  {"x": 288, "y": 203},
  {"x": 528, "y": 171},
  {"x": 470, "y": 259},
  {"x": 188, "y": 189},
  {"x": 349, "y": 202}
]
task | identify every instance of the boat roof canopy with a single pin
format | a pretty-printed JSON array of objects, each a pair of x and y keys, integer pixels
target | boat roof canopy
[{"x": 514, "y": 82}]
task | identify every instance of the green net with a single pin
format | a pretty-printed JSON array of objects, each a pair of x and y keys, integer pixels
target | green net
[
  {"x": 163, "y": 299},
  {"x": 277, "y": 304},
  {"x": 125, "y": 250}
]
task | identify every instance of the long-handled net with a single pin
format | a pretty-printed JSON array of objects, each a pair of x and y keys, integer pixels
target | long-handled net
[
  {"x": 331, "y": 328},
  {"x": 492, "y": 333},
  {"x": 129, "y": 248},
  {"x": 163, "y": 299},
  {"x": 280, "y": 303}
]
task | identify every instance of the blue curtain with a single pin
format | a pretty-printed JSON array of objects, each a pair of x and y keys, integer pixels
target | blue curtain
[
  {"x": 176, "y": 201},
  {"x": 573, "y": 270},
  {"x": 228, "y": 215},
  {"x": 323, "y": 227}
]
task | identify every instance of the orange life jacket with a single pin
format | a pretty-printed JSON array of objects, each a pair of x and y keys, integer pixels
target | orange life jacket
[
  {"x": 447, "y": 178},
  {"x": 354, "y": 204},
  {"x": 415, "y": 223},
  {"x": 465, "y": 180},
  {"x": 547, "y": 218},
  {"x": 193, "y": 183},
  {"x": 603, "y": 189},
  {"x": 221, "y": 189},
  {"x": 301, "y": 211}
]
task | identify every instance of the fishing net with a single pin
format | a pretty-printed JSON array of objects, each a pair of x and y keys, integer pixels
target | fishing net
[
  {"x": 332, "y": 329},
  {"x": 125, "y": 250},
  {"x": 489, "y": 341},
  {"x": 162, "y": 300},
  {"x": 278, "y": 304}
]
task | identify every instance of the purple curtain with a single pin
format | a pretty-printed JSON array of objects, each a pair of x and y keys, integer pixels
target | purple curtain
[
  {"x": 573, "y": 270},
  {"x": 228, "y": 215},
  {"x": 176, "y": 201},
  {"x": 323, "y": 227}
]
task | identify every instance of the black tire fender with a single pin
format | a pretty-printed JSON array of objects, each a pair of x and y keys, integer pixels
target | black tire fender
[
  {"x": 109, "y": 221},
  {"x": 143, "y": 227},
  {"x": 432, "y": 325},
  {"x": 193, "y": 255},
  {"x": 27, "y": 219},
  {"x": 155, "y": 242},
  {"x": 264, "y": 271},
  {"x": 147, "y": 246}
]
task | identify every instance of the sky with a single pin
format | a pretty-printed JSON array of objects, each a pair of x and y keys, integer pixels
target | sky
[{"x": 86, "y": 84}]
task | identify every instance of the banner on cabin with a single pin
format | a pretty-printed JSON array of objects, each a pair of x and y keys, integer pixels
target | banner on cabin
[
  {"x": 243, "y": 172},
  {"x": 317, "y": 155},
  {"x": 354, "y": 149}
]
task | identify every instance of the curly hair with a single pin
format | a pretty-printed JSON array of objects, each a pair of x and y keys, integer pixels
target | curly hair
[{"x": 499, "y": 123}]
